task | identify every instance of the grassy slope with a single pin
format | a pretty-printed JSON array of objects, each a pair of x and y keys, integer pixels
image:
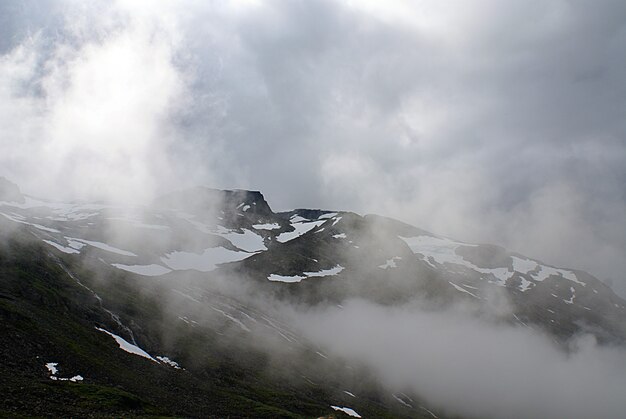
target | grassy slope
[{"x": 45, "y": 316}]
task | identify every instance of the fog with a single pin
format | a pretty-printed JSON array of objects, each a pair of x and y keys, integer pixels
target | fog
[
  {"x": 496, "y": 122},
  {"x": 464, "y": 365}
]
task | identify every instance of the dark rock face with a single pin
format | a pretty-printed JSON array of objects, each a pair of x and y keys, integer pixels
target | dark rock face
[{"x": 10, "y": 192}]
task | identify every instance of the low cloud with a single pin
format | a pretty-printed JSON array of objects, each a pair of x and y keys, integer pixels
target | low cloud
[{"x": 466, "y": 366}]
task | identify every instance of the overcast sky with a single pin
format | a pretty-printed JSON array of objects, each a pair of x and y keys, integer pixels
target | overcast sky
[{"x": 489, "y": 121}]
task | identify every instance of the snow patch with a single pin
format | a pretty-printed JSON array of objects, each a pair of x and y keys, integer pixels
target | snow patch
[
  {"x": 145, "y": 270},
  {"x": 571, "y": 300},
  {"x": 297, "y": 278},
  {"x": 231, "y": 318},
  {"x": 524, "y": 266},
  {"x": 401, "y": 401},
  {"x": 38, "y": 226},
  {"x": 390, "y": 263},
  {"x": 204, "y": 262},
  {"x": 248, "y": 240},
  {"x": 63, "y": 249},
  {"x": 298, "y": 219},
  {"x": 267, "y": 226},
  {"x": 169, "y": 362},
  {"x": 443, "y": 250},
  {"x": 300, "y": 229},
  {"x": 325, "y": 272},
  {"x": 127, "y": 346},
  {"x": 52, "y": 367},
  {"x": 283, "y": 278},
  {"x": 105, "y": 247},
  {"x": 347, "y": 411},
  {"x": 459, "y": 288},
  {"x": 525, "y": 284},
  {"x": 547, "y": 271},
  {"x": 327, "y": 216}
]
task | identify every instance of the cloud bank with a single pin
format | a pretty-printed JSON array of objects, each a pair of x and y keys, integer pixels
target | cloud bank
[{"x": 465, "y": 366}]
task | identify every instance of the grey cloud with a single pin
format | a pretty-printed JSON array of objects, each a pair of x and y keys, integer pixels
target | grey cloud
[{"x": 462, "y": 365}]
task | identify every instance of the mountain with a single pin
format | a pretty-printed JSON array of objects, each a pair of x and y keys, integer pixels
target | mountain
[{"x": 177, "y": 308}]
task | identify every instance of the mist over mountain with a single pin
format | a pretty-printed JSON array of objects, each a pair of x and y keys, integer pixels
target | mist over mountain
[
  {"x": 306, "y": 313},
  {"x": 325, "y": 208}
]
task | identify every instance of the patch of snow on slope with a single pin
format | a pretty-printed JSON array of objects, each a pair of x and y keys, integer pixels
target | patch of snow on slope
[
  {"x": 349, "y": 394},
  {"x": 283, "y": 278},
  {"x": 429, "y": 412},
  {"x": 339, "y": 236},
  {"x": 547, "y": 271},
  {"x": 231, "y": 318},
  {"x": 300, "y": 229},
  {"x": 524, "y": 266},
  {"x": 38, "y": 226},
  {"x": 541, "y": 272},
  {"x": 145, "y": 270},
  {"x": 74, "y": 244},
  {"x": 571, "y": 300},
  {"x": 525, "y": 284},
  {"x": 390, "y": 263},
  {"x": 105, "y": 247},
  {"x": 169, "y": 362},
  {"x": 401, "y": 401},
  {"x": 203, "y": 262},
  {"x": 127, "y": 346},
  {"x": 347, "y": 411},
  {"x": 327, "y": 216},
  {"x": 63, "y": 249},
  {"x": 443, "y": 250},
  {"x": 325, "y": 272},
  {"x": 248, "y": 240},
  {"x": 62, "y": 211},
  {"x": 459, "y": 288},
  {"x": 267, "y": 226},
  {"x": 52, "y": 367},
  {"x": 297, "y": 278}
]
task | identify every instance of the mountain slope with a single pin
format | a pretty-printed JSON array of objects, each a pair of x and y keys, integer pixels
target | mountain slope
[{"x": 195, "y": 284}]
